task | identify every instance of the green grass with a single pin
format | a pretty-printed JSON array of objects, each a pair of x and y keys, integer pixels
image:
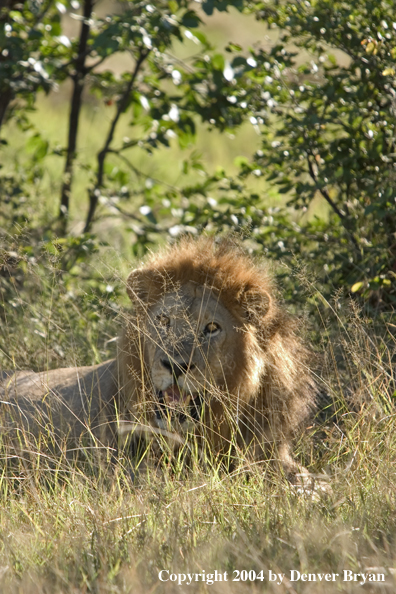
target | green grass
[
  {"x": 106, "y": 535},
  {"x": 79, "y": 528}
]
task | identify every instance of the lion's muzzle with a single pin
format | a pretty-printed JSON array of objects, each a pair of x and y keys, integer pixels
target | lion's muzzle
[{"x": 176, "y": 404}]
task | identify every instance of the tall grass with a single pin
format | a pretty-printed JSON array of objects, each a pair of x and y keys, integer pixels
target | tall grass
[{"x": 80, "y": 527}]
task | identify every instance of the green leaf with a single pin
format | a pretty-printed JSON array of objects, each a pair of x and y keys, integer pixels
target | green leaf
[
  {"x": 233, "y": 47},
  {"x": 201, "y": 37},
  {"x": 356, "y": 287},
  {"x": 208, "y": 6},
  {"x": 37, "y": 146},
  {"x": 218, "y": 62},
  {"x": 173, "y": 6},
  {"x": 190, "y": 20}
]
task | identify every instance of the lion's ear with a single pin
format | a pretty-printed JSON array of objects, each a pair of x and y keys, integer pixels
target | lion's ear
[
  {"x": 256, "y": 303},
  {"x": 143, "y": 285}
]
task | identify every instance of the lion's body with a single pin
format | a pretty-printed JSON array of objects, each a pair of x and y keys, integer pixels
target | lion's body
[
  {"x": 207, "y": 349},
  {"x": 62, "y": 406}
]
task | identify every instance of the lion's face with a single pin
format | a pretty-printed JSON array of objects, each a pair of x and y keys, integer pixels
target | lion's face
[
  {"x": 208, "y": 350},
  {"x": 191, "y": 348}
]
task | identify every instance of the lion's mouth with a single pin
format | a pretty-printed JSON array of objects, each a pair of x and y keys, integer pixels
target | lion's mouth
[{"x": 178, "y": 404}]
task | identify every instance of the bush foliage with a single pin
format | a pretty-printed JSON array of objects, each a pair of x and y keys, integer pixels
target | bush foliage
[{"x": 322, "y": 100}]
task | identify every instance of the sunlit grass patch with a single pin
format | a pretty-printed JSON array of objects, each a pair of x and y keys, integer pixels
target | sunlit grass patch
[{"x": 105, "y": 524}]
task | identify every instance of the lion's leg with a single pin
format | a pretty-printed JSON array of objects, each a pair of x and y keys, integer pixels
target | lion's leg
[
  {"x": 301, "y": 479},
  {"x": 292, "y": 470}
]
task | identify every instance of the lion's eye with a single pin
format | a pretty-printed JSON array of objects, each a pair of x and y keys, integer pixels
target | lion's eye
[
  {"x": 163, "y": 320},
  {"x": 212, "y": 328}
]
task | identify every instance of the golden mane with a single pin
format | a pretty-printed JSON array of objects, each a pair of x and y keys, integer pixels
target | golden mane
[{"x": 271, "y": 376}]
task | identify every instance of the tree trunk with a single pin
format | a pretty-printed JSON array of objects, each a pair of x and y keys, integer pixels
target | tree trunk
[{"x": 75, "y": 109}]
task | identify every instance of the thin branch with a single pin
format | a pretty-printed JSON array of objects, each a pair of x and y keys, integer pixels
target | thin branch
[
  {"x": 5, "y": 100},
  {"x": 128, "y": 215},
  {"x": 85, "y": 54},
  {"x": 324, "y": 192},
  {"x": 183, "y": 63},
  {"x": 139, "y": 173},
  {"x": 333, "y": 205},
  {"x": 122, "y": 105},
  {"x": 96, "y": 64},
  {"x": 78, "y": 78},
  {"x": 42, "y": 14}
]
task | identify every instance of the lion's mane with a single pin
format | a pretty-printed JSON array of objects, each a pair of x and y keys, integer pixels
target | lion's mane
[{"x": 270, "y": 391}]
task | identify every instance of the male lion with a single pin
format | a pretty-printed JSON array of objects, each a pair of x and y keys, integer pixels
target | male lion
[{"x": 207, "y": 350}]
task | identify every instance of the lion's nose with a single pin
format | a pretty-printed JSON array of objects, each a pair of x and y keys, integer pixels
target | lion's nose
[{"x": 176, "y": 368}]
